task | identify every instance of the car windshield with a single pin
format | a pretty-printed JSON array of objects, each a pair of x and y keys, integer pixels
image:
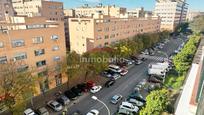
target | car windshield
[{"x": 57, "y": 105}]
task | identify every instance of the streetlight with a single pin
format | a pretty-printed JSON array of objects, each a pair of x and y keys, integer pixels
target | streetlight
[{"x": 95, "y": 98}]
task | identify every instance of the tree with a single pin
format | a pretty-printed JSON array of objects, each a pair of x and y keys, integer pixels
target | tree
[
  {"x": 70, "y": 66},
  {"x": 94, "y": 63},
  {"x": 183, "y": 59},
  {"x": 17, "y": 86},
  {"x": 197, "y": 25},
  {"x": 157, "y": 102}
]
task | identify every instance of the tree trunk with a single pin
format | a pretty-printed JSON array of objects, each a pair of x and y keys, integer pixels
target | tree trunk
[{"x": 86, "y": 75}]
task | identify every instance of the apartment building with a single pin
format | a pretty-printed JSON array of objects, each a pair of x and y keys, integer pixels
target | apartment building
[
  {"x": 137, "y": 13},
  {"x": 37, "y": 44},
  {"x": 172, "y": 13},
  {"x": 52, "y": 10},
  {"x": 5, "y": 9},
  {"x": 87, "y": 11},
  {"x": 192, "y": 14},
  {"x": 102, "y": 30}
]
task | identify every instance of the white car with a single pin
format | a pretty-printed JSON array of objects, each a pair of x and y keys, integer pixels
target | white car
[
  {"x": 95, "y": 89},
  {"x": 116, "y": 76},
  {"x": 135, "y": 102},
  {"x": 29, "y": 111},
  {"x": 129, "y": 106},
  {"x": 93, "y": 112},
  {"x": 54, "y": 105}
]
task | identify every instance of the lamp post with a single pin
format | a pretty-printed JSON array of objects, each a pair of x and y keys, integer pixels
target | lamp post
[{"x": 96, "y": 99}]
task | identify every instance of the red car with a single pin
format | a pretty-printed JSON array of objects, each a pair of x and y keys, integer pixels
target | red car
[
  {"x": 124, "y": 72},
  {"x": 90, "y": 84}
]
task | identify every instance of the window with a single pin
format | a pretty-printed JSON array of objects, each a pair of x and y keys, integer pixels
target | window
[
  {"x": 20, "y": 56},
  {"x": 37, "y": 40},
  {"x": 55, "y": 48},
  {"x": 58, "y": 79},
  {"x": 17, "y": 43},
  {"x": 106, "y": 36},
  {"x": 39, "y": 52},
  {"x": 44, "y": 85},
  {"x": 1, "y": 44},
  {"x": 40, "y": 63},
  {"x": 42, "y": 73},
  {"x": 54, "y": 37},
  {"x": 22, "y": 68},
  {"x": 106, "y": 43},
  {"x": 56, "y": 58},
  {"x": 3, "y": 60},
  {"x": 99, "y": 29},
  {"x": 98, "y": 37}
]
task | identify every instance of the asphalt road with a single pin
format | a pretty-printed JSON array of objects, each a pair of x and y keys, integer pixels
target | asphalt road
[{"x": 123, "y": 86}]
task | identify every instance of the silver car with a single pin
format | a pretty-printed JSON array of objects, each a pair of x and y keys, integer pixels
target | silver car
[{"x": 54, "y": 105}]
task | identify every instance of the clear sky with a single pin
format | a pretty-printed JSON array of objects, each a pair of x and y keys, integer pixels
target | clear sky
[{"x": 197, "y": 5}]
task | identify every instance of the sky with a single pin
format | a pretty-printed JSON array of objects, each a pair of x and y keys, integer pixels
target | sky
[{"x": 196, "y": 5}]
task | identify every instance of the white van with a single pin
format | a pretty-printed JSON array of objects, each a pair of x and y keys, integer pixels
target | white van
[{"x": 115, "y": 68}]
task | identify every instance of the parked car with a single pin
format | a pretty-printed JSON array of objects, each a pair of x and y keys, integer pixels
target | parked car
[
  {"x": 124, "y": 72},
  {"x": 138, "y": 87},
  {"x": 115, "y": 68},
  {"x": 93, "y": 112},
  {"x": 154, "y": 80},
  {"x": 107, "y": 73},
  {"x": 129, "y": 62},
  {"x": 116, "y": 98},
  {"x": 63, "y": 100},
  {"x": 29, "y": 111},
  {"x": 116, "y": 76},
  {"x": 54, "y": 105},
  {"x": 109, "y": 83},
  {"x": 77, "y": 91},
  {"x": 137, "y": 96},
  {"x": 135, "y": 102},
  {"x": 138, "y": 62},
  {"x": 42, "y": 111},
  {"x": 122, "y": 111},
  {"x": 95, "y": 89},
  {"x": 128, "y": 106},
  {"x": 70, "y": 95},
  {"x": 77, "y": 112},
  {"x": 90, "y": 84},
  {"x": 83, "y": 87}
]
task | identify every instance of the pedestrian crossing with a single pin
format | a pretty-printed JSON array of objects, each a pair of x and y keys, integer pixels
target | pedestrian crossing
[{"x": 155, "y": 58}]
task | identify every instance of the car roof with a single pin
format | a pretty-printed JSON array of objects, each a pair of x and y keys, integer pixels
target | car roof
[
  {"x": 116, "y": 96},
  {"x": 126, "y": 103},
  {"x": 54, "y": 103},
  {"x": 42, "y": 110},
  {"x": 28, "y": 111}
]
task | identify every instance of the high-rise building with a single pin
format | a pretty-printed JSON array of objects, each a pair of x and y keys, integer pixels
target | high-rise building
[
  {"x": 171, "y": 12},
  {"x": 37, "y": 44},
  {"x": 6, "y": 9},
  {"x": 52, "y": 10},
  {"x": 102, "y": 30}
]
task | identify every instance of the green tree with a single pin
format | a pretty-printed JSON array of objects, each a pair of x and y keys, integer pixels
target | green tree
[
  {"x": 94, "y": 63},
  {"x": 70, "y": 66},
  {"x": 157, "y": 102},
  {"x": 17, "y": 86},
  {"x": 183, "y": 59}
]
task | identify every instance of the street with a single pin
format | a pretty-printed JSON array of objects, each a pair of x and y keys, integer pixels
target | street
[{"x": 123, "y": 86}]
